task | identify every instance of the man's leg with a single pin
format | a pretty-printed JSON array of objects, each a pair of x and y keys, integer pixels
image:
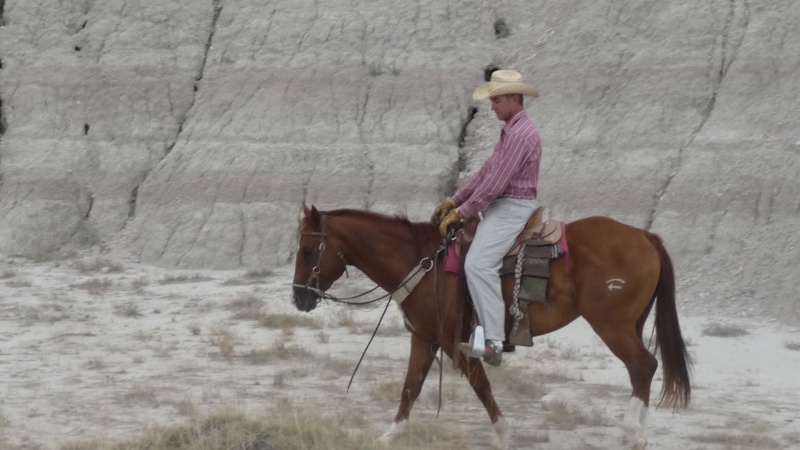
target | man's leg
[{"x": 502, "y": 222}]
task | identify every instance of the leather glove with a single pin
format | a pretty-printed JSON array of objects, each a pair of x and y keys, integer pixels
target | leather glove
[
  {"x": 453, "y": 217},
  {"x": 447, "y": 205}
]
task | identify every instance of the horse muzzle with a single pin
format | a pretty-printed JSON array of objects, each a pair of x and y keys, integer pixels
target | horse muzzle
[{"x": 304, "y": 299}]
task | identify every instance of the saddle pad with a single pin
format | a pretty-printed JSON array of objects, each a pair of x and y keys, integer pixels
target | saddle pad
[{"x": 451, "y": 260}]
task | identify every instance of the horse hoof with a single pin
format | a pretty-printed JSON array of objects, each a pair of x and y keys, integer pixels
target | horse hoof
[
  {"x": 395, "y": 430},
  {"x": 501, "y": 440}
]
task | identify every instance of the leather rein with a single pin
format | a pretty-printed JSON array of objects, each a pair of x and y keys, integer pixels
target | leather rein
[
  {"x": 405, "y": 287},
  {"x": 399, "y": 293}
]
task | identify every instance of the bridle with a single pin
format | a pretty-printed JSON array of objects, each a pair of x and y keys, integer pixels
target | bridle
[
  {"x": 425, "y": 265},
  {"x": 312, "y": 284}
]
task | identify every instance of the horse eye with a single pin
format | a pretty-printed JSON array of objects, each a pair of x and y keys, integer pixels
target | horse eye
[{"x": 306, "y": 252}]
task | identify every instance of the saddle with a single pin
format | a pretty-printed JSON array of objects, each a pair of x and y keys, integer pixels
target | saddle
[
  {"x": 529, "y": 259},
  {"x": 538, "y": 238}
]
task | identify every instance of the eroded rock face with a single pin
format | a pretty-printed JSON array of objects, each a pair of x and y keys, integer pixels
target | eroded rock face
[
  {"x": 201, "y": 128},
  {"x": 94, "y": 94}
]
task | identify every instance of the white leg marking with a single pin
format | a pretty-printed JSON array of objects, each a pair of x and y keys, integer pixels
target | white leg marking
[
  {"x": 635, "y": 422},
  {"x": 501, "y": 434},
  {"x": 396, "y": 429}
]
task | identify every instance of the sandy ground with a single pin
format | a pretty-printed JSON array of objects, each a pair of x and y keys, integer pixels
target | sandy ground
[{"x": 95, "y": 348}]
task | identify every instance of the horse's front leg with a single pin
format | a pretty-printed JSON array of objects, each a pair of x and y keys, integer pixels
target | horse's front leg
[
  {"x": 473, "y": 370},
  {"x": 419, "y": 363}
]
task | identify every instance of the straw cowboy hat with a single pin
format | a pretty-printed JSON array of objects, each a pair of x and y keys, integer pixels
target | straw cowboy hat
[{"x": 504, "y": 82}]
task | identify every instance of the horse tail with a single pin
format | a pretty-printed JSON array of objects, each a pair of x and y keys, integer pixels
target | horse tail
[{"x": 676, "y": 362}]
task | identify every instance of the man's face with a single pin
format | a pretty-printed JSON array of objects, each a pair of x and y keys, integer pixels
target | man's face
[{"x": 504, "y": 106}]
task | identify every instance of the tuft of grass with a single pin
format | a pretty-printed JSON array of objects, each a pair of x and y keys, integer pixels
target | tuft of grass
[
  {"x": 142, "y": 394},
  {"x": 286, "y": 428},
  {"x": 129, "y": 309},
  {"x": 19, "y": 283},
  {"x": 718, "y": 330},
  {"x": 139, "y": 284},
  {"x": 7, "y": 274},
  {"x": 279, "y": 352},
  {"x": 175, "y": 279},
  {"x": 225, "y": 340},
  {"x": 792, "y": 345},
  {"x": 258, "y": 273},
  {"x": 95, "y": 364},
  {"x": 288, "y": 321},
  {"x": 567, "y": 417},
  {"x": 246, "y": 307},
  {"x": 104, "y": 265},
  {"x": 735, "y": 440},
  {"x": 95, "y": 286}
]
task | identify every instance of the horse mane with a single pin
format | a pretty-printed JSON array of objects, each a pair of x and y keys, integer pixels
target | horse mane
[{"x": 420, "y": 231}]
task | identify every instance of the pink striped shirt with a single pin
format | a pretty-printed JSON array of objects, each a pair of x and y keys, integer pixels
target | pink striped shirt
[{"x": 511, "y": 171}]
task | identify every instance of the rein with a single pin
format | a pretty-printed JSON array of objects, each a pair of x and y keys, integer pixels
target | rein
[{"x": 404, "y": 289}]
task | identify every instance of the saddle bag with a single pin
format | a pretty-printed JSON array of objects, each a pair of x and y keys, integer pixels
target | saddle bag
[{"x": 534, "y": 277}]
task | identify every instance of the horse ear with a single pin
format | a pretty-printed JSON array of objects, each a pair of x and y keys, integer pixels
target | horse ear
[{"x": 312, "y": 215}]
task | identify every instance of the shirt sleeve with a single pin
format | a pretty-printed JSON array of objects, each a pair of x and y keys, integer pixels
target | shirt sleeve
[{"x": 493, "y": 177}]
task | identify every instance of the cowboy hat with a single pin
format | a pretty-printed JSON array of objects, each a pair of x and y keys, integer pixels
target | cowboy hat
[{"x": 504, "y": 82}]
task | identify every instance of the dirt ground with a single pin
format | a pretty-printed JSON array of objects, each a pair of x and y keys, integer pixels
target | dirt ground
[{"x": 92, "y": 347}]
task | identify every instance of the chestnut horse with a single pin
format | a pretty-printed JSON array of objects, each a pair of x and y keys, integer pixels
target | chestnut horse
[{"x": 616, "y": 274}]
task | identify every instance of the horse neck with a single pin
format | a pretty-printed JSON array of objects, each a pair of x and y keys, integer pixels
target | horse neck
[{"x": 384, "y": 252}]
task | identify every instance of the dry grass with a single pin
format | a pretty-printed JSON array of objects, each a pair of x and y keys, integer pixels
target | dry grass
[
  {"x": 7, "y": 274},
  {"x": 285, "y": 428},
  {"x": 568, "y": 417},
  {"x": 95, "y": 364},
  {"x": 48, "y": 313},
  {"x": 225, "y": 340},
  {"x": 792, "y": 345},
  {"x": 19, "y": 283},
  {"x": 139, "y": 394},
  {"x": 258, "y": 273},
  {"x": 736, "y": 440},
  {"x": 288, "y": 321},
  {"x": 246, "y": 307},
  {"x": 129, "y": 309},
  {"x": 521, "y": 383},
  {"x": 104, "y": 265},
  {"x": 278, "y": 353},
  {"x": 718, "y": 330},
  {"x": 792, "y": 439},
  {"x": 175, "y": 279},
  {"x": 252, "y": 276},
  {"x": 95, "y": 286},
  {"x": 139, "y": 284}
]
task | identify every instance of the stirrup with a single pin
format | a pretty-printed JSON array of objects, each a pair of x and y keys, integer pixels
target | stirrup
[{"x": 477, "y": 344}]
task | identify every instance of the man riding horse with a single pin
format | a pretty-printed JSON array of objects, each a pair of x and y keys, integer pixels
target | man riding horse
[{"x": 503, "y": 191}]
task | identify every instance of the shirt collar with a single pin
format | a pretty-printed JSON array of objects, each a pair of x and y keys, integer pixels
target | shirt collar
[{"x": 514, "y": 120}]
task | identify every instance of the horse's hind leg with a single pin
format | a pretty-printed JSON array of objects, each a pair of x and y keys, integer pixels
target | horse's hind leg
[
  {"x": 419, "y": 363},
  {"x": 641, "y": 364}
]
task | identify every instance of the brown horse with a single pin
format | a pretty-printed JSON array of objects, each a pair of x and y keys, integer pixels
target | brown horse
[{"x": 603, "y": 253}]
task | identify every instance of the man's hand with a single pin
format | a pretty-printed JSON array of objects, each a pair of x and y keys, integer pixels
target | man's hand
[
  {"x": 451, "y": 218},
  {"x": 447, "y": 205}
]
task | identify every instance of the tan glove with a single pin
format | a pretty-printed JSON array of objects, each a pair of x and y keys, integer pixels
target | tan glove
[
  {"x": 452, "y": 218},
  {"x": 447, "y": 205}
]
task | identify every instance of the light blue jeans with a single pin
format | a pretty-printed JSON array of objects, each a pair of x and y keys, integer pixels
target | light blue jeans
[{"x": 502, "y": 222}]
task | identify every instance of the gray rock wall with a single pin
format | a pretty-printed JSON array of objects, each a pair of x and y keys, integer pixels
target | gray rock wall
[{"x": 209, "y": 123}]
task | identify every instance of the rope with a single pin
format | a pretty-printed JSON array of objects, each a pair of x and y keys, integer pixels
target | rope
[{"x": 514, "y": 308}]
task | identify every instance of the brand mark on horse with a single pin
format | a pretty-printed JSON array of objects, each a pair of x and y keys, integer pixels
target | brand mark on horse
[{"x": 612, "y": 286}]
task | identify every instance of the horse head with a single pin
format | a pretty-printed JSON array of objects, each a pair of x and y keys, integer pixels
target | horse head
[{"x": 318, "y": 262}]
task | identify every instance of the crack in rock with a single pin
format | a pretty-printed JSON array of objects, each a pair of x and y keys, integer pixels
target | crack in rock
[
  {"x": 217, "y": 11},
  {"x": 728, "y": 53}
]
